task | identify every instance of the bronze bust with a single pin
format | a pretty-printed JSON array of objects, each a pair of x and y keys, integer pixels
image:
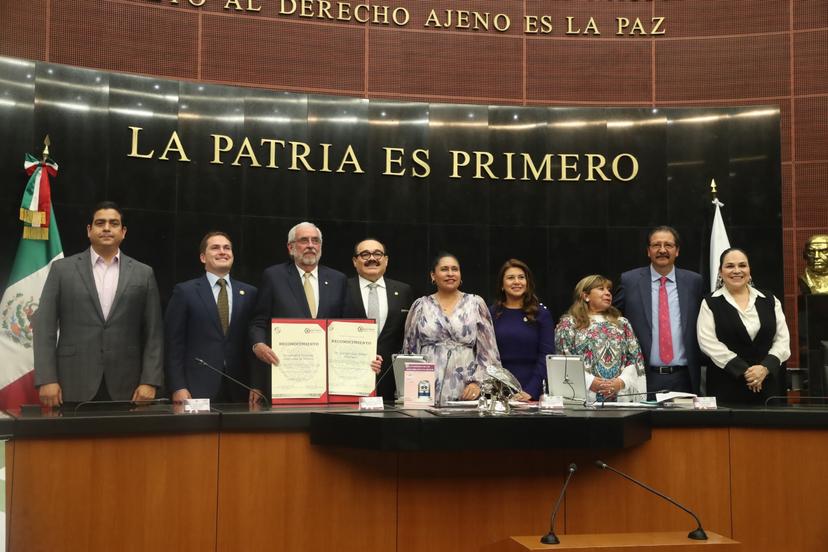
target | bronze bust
[{"x": 815, "y": 278}]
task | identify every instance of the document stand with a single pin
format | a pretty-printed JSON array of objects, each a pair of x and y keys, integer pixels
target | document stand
[{"x": 673, "y": 541}]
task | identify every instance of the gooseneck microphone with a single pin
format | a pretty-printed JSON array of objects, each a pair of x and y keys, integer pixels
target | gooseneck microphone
[
  {"x": 231, "y": 378},
  {"x": 696, "y": 534},
  {"x": 550, "y": 537}
]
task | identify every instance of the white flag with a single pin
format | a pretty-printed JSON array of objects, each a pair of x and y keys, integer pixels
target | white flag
[{"x": 718, "y": 242}]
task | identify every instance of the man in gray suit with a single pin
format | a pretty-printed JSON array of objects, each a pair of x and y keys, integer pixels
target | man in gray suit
[{"x": 98, "y": 332}]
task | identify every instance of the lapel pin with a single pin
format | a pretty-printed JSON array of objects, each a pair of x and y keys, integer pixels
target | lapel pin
[
  {"x": 241, "y": 292},
  {"x": 326, "y": 283},
  {"x": 396, "y": 293}
]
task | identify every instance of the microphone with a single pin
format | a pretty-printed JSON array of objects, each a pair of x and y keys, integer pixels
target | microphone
[
  {"x": 696, "y": 534},
  {"x": 603, "y": 399},
  {"x": 129, "y": 402},
  {"x": 550, "y": 537},
  {"x": 231, "y": 378}
]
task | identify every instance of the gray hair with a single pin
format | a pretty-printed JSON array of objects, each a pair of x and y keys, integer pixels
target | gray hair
[{"x": 292, "y": 231}]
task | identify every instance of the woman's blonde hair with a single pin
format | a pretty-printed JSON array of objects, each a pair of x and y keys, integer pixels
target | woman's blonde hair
[{"x": 580, "y": 308}]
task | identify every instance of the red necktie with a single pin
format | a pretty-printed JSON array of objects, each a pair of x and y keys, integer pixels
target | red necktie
[{"x": 665, "y": 334}]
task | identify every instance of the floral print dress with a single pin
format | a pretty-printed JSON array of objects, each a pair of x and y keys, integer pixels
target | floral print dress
[
  {"x": 609, "y": 350},
  {"x": 461, "y": 345}
]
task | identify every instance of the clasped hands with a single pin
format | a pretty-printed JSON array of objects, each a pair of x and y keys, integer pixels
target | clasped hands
[
  {"x": 755, "y": 376},
  {"x": 608, "y": 388}
]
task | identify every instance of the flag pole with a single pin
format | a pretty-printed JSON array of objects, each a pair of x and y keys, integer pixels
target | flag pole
[{"x": 46, "y": 144}]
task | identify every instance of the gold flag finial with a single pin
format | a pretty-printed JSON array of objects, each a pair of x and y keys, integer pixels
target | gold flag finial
[
  {"x": 46, "y": 143},
  {"x": 713, "y": 187}
]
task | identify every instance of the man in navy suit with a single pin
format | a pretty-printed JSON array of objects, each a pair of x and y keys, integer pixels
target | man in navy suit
[
  {"x": 662, "y": 304},
  {"x": 207, "y": 318},
  {"x": 299, "y": 288},
  {"x": 372, "y": 295}
]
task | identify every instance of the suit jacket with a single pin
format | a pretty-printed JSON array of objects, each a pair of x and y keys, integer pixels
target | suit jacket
[
  {"x": 389, "y": 341},
  {"x": 192, "y": 329},
  {"x": 127, "y": 347},
  {"x": 634, "y": 299},
  {"x": 281, "y": 295}
]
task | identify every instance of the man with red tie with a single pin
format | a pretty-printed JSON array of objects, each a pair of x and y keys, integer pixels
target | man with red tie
[{"x": 662, "y": 304}]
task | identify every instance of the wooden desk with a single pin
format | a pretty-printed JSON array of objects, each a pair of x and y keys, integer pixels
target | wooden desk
[{"x": 624, "y": 542}]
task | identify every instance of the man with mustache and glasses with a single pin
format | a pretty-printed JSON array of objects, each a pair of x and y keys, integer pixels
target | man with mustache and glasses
[
  {"x": 372, "y": 295},
  {"x": 662, "y": 304},
  {"x": 207, "y": 318}
]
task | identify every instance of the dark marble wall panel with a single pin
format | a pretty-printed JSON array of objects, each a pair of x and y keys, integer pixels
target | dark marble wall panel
[
  {"x": 722, "y": 68},
  {"x": 810, "y": 67},
  {"x": 810, "y": 119},
  {"x": 588, "y": 71},
  {"x": 122, "y": 37},
  {"x": 210, "y": 120},
  {"x": 284, "y": 54},
  {"x": 711, "y": 17},
  {"x": 72, "y": 107},
  {"x": 340, "y": 185},
  {"x": 151, "y": 105},
  {"x": 23, "y": 33},
  {"x": 440, "y": 65},
  {"x": 274, "y": 189},
  {"x": 463, "y": 200},
  {"x": 399, "y": 185}
]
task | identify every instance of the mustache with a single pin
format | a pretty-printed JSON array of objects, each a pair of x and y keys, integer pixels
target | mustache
[{"x": 371, "y": 263}]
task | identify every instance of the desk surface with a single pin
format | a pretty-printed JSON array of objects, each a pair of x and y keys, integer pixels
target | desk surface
[{"x": 396, "y": 429}]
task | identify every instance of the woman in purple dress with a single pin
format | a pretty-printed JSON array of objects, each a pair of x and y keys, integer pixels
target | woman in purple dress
[
  {"x": 453, "y": 330},
  {"x": 523, "y": 327}
]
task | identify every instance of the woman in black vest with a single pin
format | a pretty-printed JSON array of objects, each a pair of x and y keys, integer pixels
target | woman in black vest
[{"x": 743, "y": 331}]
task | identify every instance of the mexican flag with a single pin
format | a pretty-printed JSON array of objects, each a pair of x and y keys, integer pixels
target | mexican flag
[{"x": 39, "y": 248}]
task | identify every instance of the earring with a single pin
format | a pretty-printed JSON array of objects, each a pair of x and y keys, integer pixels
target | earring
[
  {"x": 750, "y": 282},
  {"x": 433, "y": 282},
  {"x": 586, "y": 300},
  {"x": 719, "y": 281}
]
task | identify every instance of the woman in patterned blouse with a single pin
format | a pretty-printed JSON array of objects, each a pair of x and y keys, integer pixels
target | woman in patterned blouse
[
  {"x": 453, "y": 330},
  {"x": 595, "y": 330}
]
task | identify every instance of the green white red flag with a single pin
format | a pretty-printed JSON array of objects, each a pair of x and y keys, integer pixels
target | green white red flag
[{"x": 39, "y": 247}]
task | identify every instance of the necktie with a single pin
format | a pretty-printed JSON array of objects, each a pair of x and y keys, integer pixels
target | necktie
[
  {"x": 309, "y": 294},
  {"x": 373, "y": 303},
  {"x": 665, "y": 334},
  {"x": 223, "y": 305}
]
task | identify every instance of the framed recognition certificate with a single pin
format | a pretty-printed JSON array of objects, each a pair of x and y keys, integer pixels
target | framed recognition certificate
[
  {"x": 352, "y": 345},
  {"x": 301, "y": 375}
]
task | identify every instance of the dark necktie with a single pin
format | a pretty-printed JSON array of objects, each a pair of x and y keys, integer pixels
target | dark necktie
[{"x": 223, "y": 305}]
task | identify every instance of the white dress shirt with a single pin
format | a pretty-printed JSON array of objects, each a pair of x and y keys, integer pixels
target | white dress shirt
[
  {"x": 106, "y": 279},
  {"x": 718, "y": 351},
  {"x": 382, "y": 296}
]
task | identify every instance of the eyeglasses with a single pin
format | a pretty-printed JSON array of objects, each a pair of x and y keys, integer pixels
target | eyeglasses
[
  {"x": 306, "y": 241},
  {"x": 666, "y": 245},
  {"x": 365, "y": 255}
]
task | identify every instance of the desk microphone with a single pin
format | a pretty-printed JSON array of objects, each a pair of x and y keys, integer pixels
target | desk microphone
[
  {"x": 550, "y": 537},
  {"x": 140, "y": 402},
  {"x": 603, "y": 399},
  {"x": 696, "y": 534},
  {"x": 231, "y": 378}
]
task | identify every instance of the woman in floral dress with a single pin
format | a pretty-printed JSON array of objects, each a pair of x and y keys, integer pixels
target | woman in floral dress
[
  {"x": 453, "y": 330},
  {"x": 595, "y": 330}
]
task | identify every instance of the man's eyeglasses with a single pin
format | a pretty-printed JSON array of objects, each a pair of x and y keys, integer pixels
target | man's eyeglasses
[
  {"x": 306, "y": 241},
  {"x": 365, "y": 255}
]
